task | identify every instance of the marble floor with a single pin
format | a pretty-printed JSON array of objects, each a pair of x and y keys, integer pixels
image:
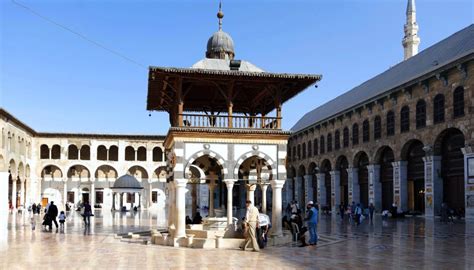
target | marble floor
[{"x": 412, "y": 243}]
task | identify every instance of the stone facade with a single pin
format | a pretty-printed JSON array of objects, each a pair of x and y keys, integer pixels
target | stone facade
[{"x": 452, "y": 79}]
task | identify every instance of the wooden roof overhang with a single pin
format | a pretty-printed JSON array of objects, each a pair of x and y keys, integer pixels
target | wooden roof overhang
[{"x": 213, "y": 90}]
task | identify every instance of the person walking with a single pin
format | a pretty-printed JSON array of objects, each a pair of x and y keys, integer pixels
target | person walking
[
  {"x": 52, "y": 212},
  {"x": 371, "y": 213},
  {"x": 312, "y": 219},
  {"x": 358, "y": 213},
  {"x": 87, "y": 213},
  {"x": 251, "y": 221},
  {"x": 62, "y": 219},
  {"x": 342, "y": 209}
]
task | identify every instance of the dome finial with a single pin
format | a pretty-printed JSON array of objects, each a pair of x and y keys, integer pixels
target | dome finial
[{"x": 220, "y": 15}]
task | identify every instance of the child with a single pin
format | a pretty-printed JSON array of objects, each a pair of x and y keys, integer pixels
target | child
[
  {"x": 47, "y": 222},
  {"x": 62, "y": 219}
]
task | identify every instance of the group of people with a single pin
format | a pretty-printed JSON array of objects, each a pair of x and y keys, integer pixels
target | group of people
[
  {"x": 50, "y": 215},
  {"x": 356, "y": 212},
  {"x": 297, "y": 220}
]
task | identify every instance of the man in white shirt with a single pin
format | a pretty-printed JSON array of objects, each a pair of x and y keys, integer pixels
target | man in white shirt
[{"x": 251, "y": 220}]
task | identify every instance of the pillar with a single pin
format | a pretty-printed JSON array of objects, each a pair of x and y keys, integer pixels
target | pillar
[
  {"x": 264, "y": 188},
  {"x": 299, "y": 197},
  {"x": 212, "y": 187},
  {"x": 468, "y": 152},
  {"x": 180, "y": 211},
  {"x": 140, "y": 200},
  {"x": 22, "y": 193},
  {"x": 14, "y": 179},
  {"x": 64, "y": 193},
  {"x": 354, "y": 189},
  {"x": 121, "y": 200},
  {"x": 308, "y": 196},
  {"x": 400, "y": 185},
  {"x": 433, "y": 185},
  {"x": 277, "y": 185},
  {"x": 113, "y": 201},
  {"x": 230, "y": 185},
  {"x": 321, "y": 189},
  {"x": 335, "y": 192},
  {"x": 92, "y": 195},
  {"x": 150, "y": 196},
  {"x": 375, "y": 187},
  {"x": 251, "y": 192}
]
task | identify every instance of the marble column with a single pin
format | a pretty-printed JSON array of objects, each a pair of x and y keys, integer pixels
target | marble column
[
  {"x": 113, "y": 201},
  {"x": 180, "y": 211},
  {"x": 171, "y": 204},
  {"x": 251, "y": 192},
  {"x": 353, "y": 184},
  {"x": 335, "y": 191},
  {"x": 92, "y": 195},
  {"x": 212, "y": 187},
  {"x": 121, "y": 200},
  {"x": 433, "y": 186},
  {"x": 64, "y": 193},
  {"x": 321, "y": 189},
  {"x": 22, "y": 193},
  {"x": 277, "y": 185},
  {"x": 264, "y": 188},
  {"x": 468, "y": 152},
  {"x": 14, "y": 191},
  {"x": 230, "y": 185},
  {"x": 400, "y": 184},
  {"x": 308, "y": 191},
  {"x": 375, "y": 187}
]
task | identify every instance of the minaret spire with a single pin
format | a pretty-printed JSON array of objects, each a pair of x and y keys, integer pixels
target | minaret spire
[
  {"x": 220, "y": 15},
  {"x": 410, "y": 40}
]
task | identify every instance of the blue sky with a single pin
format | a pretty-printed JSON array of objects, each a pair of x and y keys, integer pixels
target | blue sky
[{"x": 55, "y": 81}]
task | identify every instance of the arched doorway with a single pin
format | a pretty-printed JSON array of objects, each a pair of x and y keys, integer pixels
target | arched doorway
[
  {"x": 326, "y": 170},
  {"x": 361, "y": 161},
  {"x": 415, "y": 175},
  {"x": 385, "y": 159},
  {"x": 291, "y": 183},
  {"x": 341, "y": 165},
  {"x": 448, "y": 146}
]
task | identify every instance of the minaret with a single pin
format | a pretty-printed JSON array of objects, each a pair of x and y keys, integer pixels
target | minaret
[{"x": 411, "y": 40}]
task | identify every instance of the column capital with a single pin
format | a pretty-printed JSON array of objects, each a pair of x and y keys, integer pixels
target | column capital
[
  {"x": 251, "y": 187},
  {"x": 431, "y": 158},
  {"x": 335, "y": 172},
  {"x": 372, "y": 167},
  {"x": 352, "y": 170},
  {"x": 468, "y": 150},
  {"x": 180, "y": 183},
  {"x": 264, "y": 186},
  {"x": 399, "y": 163},
  {"x": 229, "y": 182},
  {"x": 277, "y": 184}
]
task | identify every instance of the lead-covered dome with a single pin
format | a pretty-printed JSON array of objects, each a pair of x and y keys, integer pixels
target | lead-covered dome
[
  {"x": 220, "y": 46},
  {"x": 127, "y": 182}
]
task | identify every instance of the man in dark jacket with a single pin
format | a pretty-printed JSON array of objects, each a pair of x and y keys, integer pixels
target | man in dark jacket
[{"x": 53, "y": 213}]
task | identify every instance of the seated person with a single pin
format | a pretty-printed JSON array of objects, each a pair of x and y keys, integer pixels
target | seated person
[
  {"x": 188, "y": 220},
  {"x": 197, "y": 218}
]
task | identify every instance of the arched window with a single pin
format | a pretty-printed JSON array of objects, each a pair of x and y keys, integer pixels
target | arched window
[
  {"x": 299, "y": 152},
  {"x": 56, "y": 152},
  {"x": 337, "y": 140},
  {"x": 315, "y": 147},
  {"x": 141, "y": 153},
  {"x": 129, "y": 153},
  {"x": 72, "y": 152},
  {"x": 365, "y": 131},
  {"x": 304, "y": 150},
  {"x": 158, "y": 153},
  {"x": 44, "y": 151},
  {"x": 355, "y": 134},
  {"x": 405, "y": 119},
  {"x": 310, "y": 149},
  {"x": 329, "y": 142},
  {"x": 377, "y": 127},
  {"x": 421, "y": 114},
  {"x": 101, "y": 152},
  {"x": 345, "y": 139},
  {"x": 322, "y": 147},
  {"x": 113, "y": 153},
  {"x": 85, "y": 152},
  {"x": 390, "y": 123},
  {"x": 438, "y": 109},
  {"x": 458, "y": 102}
]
